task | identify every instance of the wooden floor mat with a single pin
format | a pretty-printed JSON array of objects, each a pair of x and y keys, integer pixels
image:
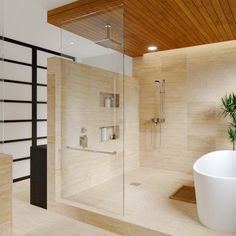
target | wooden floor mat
[{"x": 185, "y": 194}]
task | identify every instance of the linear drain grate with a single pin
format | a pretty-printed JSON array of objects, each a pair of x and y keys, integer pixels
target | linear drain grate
[{"x": 135, "y": 184}]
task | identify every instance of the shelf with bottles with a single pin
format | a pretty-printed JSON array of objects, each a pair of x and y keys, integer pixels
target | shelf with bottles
[
  {"x": 109, "y": 133},
  {"x": 109, "y": 100}
]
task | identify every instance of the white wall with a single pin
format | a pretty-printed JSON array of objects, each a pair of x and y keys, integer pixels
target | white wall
[{"x": 26, "y": 20}]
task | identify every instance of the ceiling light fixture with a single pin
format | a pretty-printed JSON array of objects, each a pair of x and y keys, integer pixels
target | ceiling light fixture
[
  {"x": 72, "y": 43},
  {"x": 152, "y": 48}
]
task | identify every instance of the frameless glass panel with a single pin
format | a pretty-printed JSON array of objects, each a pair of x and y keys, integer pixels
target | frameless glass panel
[
  {"x": 92, "y": 115},
  {"x": 1, "y": 74}
]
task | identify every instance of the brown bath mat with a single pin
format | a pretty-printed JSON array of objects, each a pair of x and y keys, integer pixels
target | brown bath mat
[{"x": 185, "y": 194}]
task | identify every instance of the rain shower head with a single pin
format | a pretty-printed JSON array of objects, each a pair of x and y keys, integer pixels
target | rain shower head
[{"x": 108, "y": 42}]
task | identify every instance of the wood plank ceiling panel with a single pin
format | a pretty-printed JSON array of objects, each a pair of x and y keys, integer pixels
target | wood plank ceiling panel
[
  {"x": 229, "y": 16},
  {"x": 208, "y": 20},
  {"x": 232, "y": 4},
  {"x": 168, "y": 24},
  {"x": 222, "y": 18},
  {"x": 208, "y": 5}
]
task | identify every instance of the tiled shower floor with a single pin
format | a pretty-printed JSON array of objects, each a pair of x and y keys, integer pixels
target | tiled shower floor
[
  {"x": 29, "y": 220},
  {"x": 147, "y": 205},
  {"x": 147, "y": 202}
]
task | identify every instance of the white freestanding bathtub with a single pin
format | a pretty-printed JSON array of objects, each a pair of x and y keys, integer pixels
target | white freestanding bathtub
[{"x": 215, "y": 186}]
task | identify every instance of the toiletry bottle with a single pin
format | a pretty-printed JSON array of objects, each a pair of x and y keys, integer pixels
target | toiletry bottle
[
  {"x": 107, "y": 102},
  {"x": 104, "y": 136}
]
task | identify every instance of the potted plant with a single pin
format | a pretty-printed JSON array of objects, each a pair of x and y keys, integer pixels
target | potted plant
[{"x": 229, "y": 110}]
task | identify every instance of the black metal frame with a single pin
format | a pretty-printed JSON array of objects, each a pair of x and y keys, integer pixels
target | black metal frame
[
  {"x": 34, "y": 101},
  {"x": 21, "y": 179}
]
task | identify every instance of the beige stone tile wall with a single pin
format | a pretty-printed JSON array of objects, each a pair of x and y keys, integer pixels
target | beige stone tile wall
[
  {"x": 5, "y": 195},
  {"x": 74, "y": 102},
  {"x": 196, "y": 79}
]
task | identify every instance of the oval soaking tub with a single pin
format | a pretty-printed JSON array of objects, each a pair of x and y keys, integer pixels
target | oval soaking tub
[{"x": 215, "y": 186}]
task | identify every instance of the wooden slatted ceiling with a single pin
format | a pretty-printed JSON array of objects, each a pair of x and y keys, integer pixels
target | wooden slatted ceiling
[{"x": 169, "y": 24}]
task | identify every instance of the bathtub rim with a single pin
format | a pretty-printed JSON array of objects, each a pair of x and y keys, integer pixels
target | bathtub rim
[{"x": 212, "y": 176}]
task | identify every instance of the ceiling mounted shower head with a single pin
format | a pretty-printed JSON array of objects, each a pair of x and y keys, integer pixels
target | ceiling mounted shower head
[
  {"x": 108, "y": 42},
  {"x": 108, "y": 26}
]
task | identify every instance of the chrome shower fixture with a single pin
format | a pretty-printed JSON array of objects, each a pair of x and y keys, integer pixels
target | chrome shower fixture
[
  {"x": 161, "y": 118},
  {"x": 158, "y": 121},
  {"x": 157, "y": 82},
  {"x": 161, "y": 85},
  {"x": 108, "y": 42}
]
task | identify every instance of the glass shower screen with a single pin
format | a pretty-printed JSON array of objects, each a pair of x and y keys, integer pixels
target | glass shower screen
[
  {"x": 92, "y": 116},
  {"x": 1, "y": 75}
]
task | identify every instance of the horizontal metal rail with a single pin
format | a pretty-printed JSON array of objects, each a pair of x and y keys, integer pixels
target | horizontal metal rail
[{"x": 90, "y": 150}]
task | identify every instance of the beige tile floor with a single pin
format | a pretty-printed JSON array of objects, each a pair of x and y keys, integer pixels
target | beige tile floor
[
  {"x": 33, "y": 221},
  {"x": 148, "y": 204}
]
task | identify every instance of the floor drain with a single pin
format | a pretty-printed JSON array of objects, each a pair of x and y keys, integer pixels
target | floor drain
[{"x": 135, "y": 184}]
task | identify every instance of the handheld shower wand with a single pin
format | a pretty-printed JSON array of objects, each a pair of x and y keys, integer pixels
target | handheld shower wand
[{"x": 158, "y": 121}]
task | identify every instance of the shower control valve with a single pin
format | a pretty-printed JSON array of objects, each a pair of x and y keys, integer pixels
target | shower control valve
[
  {"x": 83, "y": 130},
  {"x": 83, "y": 141}
]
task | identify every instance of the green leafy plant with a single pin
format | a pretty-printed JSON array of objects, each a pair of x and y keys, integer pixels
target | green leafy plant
[{"x": 229, "y": 110}]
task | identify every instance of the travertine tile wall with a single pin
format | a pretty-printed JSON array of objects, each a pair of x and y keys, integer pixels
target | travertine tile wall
[
  {"x": 5, "y": 195},
  {"x": 77, "y": 101},
  {"x": 196, "y": 79}
]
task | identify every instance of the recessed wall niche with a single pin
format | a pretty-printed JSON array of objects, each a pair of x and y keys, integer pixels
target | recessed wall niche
[
  {"x": 109, "y": 100},
  {"x": 109, "y": 133}
]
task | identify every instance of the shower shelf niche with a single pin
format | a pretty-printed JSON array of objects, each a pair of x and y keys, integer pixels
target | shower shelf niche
[
  {"x": 109, "y": 133},
  {"x": 109, "y": 100}
]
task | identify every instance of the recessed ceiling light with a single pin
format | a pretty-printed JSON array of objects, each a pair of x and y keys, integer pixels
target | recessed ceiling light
[
  {"x": 152, "y": 48},
  {"x": 72, "y": 43}
]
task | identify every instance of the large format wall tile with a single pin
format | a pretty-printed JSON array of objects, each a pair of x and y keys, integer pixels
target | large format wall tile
[
  {"x": 5, "y": 195},
  {"x": 196, "y": 79},
  {"x": 76, "y": 95}
]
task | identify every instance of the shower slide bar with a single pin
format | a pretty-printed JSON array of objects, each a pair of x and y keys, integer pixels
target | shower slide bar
[{"x": 90, "y": 150}]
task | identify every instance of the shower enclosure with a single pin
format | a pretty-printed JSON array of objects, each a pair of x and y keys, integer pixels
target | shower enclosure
[{"x": 90, "y": 111}]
